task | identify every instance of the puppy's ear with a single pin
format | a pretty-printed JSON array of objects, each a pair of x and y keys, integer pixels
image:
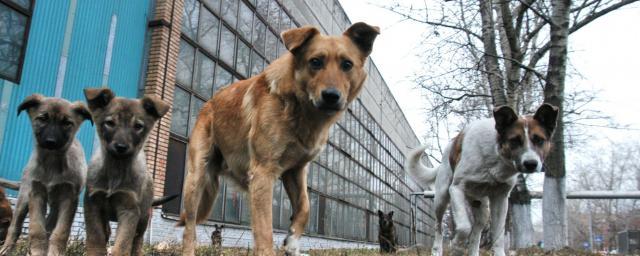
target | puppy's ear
[
  {"x": 81, "y": 110},
  {"x": 154, "y": 107},
  {"x": 547, "y": 115},
  {"x": 505, "y": 116},
  {"x": 295, "y": 38},
  {"x": 380, "y": 213},
  {"x": 391, "y": 214},
  {"x": 29, "y": 102},
  {"x": 363, "y": 36},
  {"x": 98, "y": 97}
]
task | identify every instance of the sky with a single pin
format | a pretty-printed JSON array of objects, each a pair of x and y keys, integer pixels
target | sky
[{"x": 605, "y": 54}]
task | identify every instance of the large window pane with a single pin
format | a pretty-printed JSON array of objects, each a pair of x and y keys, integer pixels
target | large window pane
[
  {"x": 246, "y": 21},
  {"x": 271, "y": 49},
  {"x": 180, "y": 114},
  {"x": 259, "y": 34},
  {"x": 196, "y": 105},
  {"x": 232, "y": 205},
  {"x": 209, "y": 29},
  {"x": 213, "y": 4},
  {"x": 185, "y": 64},
  {"x": 218, "y": 206},
  {"x": 191, "y": 13},
  {"x": 242, "y": 61},
  {"x": 227, "y": 46},
  {"x": 223, "y": 78},
  {"x": 263, "y": 7},
  {"x": 12, "y": 28},
  {"x": 274, "y": 14},
  {"x": 257, "y": 63},
  {"x": 23, "y": 3},
  {"x": 203, "y": 84},
  {"x": 229, "y": 11}
]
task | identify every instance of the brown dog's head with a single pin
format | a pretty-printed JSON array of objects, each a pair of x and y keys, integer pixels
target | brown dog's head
[
  {"x": 385, "y": 220},
  {"x": 123, "y": 124},
  {"x": 329, "y": 70},
  {"x": 525, "y": 141},
  {"x": 54, "y": 121}
]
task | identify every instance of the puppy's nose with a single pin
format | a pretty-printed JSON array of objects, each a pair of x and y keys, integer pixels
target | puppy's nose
[
  {"x": 331, "y": 96},
  {"x": 121, "y": 148},
  {"x": 530, "y": 164},
  {"x": 50, "y": 142}
]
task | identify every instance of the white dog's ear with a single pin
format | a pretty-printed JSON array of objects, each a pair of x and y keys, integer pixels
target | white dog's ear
[
  {"x": 505, "y": 116},
  {"x": 547, "y": 115}
]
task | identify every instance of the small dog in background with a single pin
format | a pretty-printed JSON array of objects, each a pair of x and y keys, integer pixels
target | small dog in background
[
  {"x": 5, "y": 215},
  {"x": 479, "y": 169},
  {"x": 387, "y": 233},
  {"x": 53, "y": 177},
  {"x": 118, "y": 186},
  {"x": 216, "y": 236}
]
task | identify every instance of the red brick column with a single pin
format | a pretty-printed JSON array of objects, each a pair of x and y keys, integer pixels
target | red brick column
[{"x": 160, "y": 82}]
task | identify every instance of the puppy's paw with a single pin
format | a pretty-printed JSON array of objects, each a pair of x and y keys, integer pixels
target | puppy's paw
[{"x": 291, "y": 246}]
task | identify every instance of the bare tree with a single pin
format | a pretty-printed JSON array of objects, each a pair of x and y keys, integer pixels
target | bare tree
[{"x": 480, "y": 54}]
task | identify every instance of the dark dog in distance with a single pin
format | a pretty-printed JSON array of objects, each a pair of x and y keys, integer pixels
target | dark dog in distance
[{"x": 387, "y": 235}]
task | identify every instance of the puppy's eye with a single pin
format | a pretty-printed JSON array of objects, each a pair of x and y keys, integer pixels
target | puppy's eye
[
  {"x": 138, "y": 126},
  {"x": 316, "y": 64},
  {"x": 67, "y": 123},
  {"x": 109, "y": 124},
  {"x": 346, "y": 65},
  {"x": 515, "y": 142},
  {"x": 42, "y": 118},
  {"x": 537, "y": 140}
]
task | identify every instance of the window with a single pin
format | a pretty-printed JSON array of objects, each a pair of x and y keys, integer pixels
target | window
[{"x": 15, "y": 16}]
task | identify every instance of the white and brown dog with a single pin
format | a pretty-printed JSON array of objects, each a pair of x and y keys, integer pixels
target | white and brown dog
[{"x": 478, "y": 170}]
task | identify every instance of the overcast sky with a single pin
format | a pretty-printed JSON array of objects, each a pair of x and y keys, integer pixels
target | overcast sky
[{"x": 606, "y": 54}]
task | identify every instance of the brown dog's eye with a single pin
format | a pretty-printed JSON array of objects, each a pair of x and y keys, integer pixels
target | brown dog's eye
[
  {"x": 67, "y": 123},
  {"x": 537, "y": 140},
  {"x": 138, "y": 126},
  {"x": 316, "y": 64},
  {"x": 109, "y": 124},
  {"x": 346, "y": 65},
  {"x": 515, "y": 142},
  {"x": 42, "y": 118}
]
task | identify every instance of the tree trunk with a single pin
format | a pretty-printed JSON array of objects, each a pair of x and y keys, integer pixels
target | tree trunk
[
  {"x": 554, "y": 213},
  {"x": 520, "y": 207},
  {"x": 491, "y": 65}
]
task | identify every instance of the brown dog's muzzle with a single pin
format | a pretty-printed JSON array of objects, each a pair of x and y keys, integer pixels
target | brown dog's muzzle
[{"x": 331, "y": 101}]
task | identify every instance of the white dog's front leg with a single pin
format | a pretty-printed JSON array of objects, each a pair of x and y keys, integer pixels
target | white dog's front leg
[
  {"x": 499, "y": 207},
  {"x": 459, "y": 205}
]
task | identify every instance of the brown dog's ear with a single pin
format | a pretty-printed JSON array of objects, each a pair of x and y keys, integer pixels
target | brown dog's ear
[
  {"x": 390, "y": 214},
  {"x": 295, "y": 38},
  {"x": 80, "y": 109},
  {"x": 547, "y": 115},
  {"x": 363, "y": 36},
  {"x": 380, "y": 213},
  {"x": 154, "y": 107},
  {"x": 29, "y": 102},
  {"x": 505, "y": 116},
  {"x": 98, "y": 97}
]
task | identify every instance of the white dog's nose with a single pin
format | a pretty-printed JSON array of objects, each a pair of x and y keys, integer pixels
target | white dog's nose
[{"x": 530, "y": 165}]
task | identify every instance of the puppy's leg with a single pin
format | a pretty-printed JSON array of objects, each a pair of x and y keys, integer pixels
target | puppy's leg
[
  {"x": 295, "y": 183},
  {"x": 15, "y": 228},
  {"x": 440, "y": 203},
  {"x": 461, "y": 217},
  {"x": 261, "y": 196},
  {"x": 499, "y": 207},
  {"x": 64, "y": 198},
  {"x": 37, "y": 223},
  {"x": 127, "y": 211},
  {"x": 138, "y": 240},
  {"x": 480, "y": 210},
  {"x": 96, "y": 224}
]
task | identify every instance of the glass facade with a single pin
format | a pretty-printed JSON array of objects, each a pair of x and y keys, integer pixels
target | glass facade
[
  {"x": 14, "y": 26},
  {"x": 360, "y": 170}
]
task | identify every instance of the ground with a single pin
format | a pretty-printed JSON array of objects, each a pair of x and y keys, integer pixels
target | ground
[{"x": 76, "y": 248}]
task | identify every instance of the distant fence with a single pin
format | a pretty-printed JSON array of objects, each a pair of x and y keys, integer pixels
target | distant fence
[{"x": 601, "y": 194}]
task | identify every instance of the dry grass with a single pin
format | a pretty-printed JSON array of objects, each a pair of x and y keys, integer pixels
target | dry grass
[{"x": 76, "y": 248}]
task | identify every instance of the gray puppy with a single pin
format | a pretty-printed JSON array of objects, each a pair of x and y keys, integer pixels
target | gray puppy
[
  {"x": 118, "y": 187},
  {"x": 54, "y": 175}
]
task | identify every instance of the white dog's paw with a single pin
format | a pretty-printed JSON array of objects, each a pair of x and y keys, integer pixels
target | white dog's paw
[
  {"x": 435, "y": 251},
  {"x": 291, "y": 246}
]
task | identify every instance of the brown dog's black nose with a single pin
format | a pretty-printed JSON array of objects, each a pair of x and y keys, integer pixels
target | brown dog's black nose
[
  {"x": 530, "y": 165},
  {"x": 121, "y": 148},
  {"x": 50, "y": 142},
  {"x": 331, "y": 96}
]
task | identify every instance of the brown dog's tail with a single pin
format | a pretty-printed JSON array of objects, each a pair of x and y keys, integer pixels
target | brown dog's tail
[
  {"x": 163, "y": 200},
  {"x": 205, "y": 204},
  {"x": 15, "y": 185}
]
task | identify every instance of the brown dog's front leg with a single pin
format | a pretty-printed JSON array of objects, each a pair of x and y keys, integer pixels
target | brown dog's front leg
[
  {"x": 128, "y": 218},
  {"x": 65, "y": 198},
  {"x": 261, "y": 195},
  {"x": 295, "y": 183},
  {"x": 37, "y": 226},
  {"x": 97, "y": 226}
]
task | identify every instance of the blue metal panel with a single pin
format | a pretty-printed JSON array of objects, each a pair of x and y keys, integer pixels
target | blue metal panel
[{"x": 85, "y": 64}]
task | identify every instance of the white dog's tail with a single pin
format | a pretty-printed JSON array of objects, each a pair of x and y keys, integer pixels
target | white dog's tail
[{"x": 414, "y": 166}]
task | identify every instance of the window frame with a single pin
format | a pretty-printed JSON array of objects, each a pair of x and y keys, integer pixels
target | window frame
[{"x": 29, "y": 16}]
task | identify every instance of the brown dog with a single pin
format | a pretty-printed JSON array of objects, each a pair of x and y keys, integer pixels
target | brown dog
[
  {"x": 271, "y": 126},
  {"x": 5, "y": 215},
  {"x": 118, "y": 186}
]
